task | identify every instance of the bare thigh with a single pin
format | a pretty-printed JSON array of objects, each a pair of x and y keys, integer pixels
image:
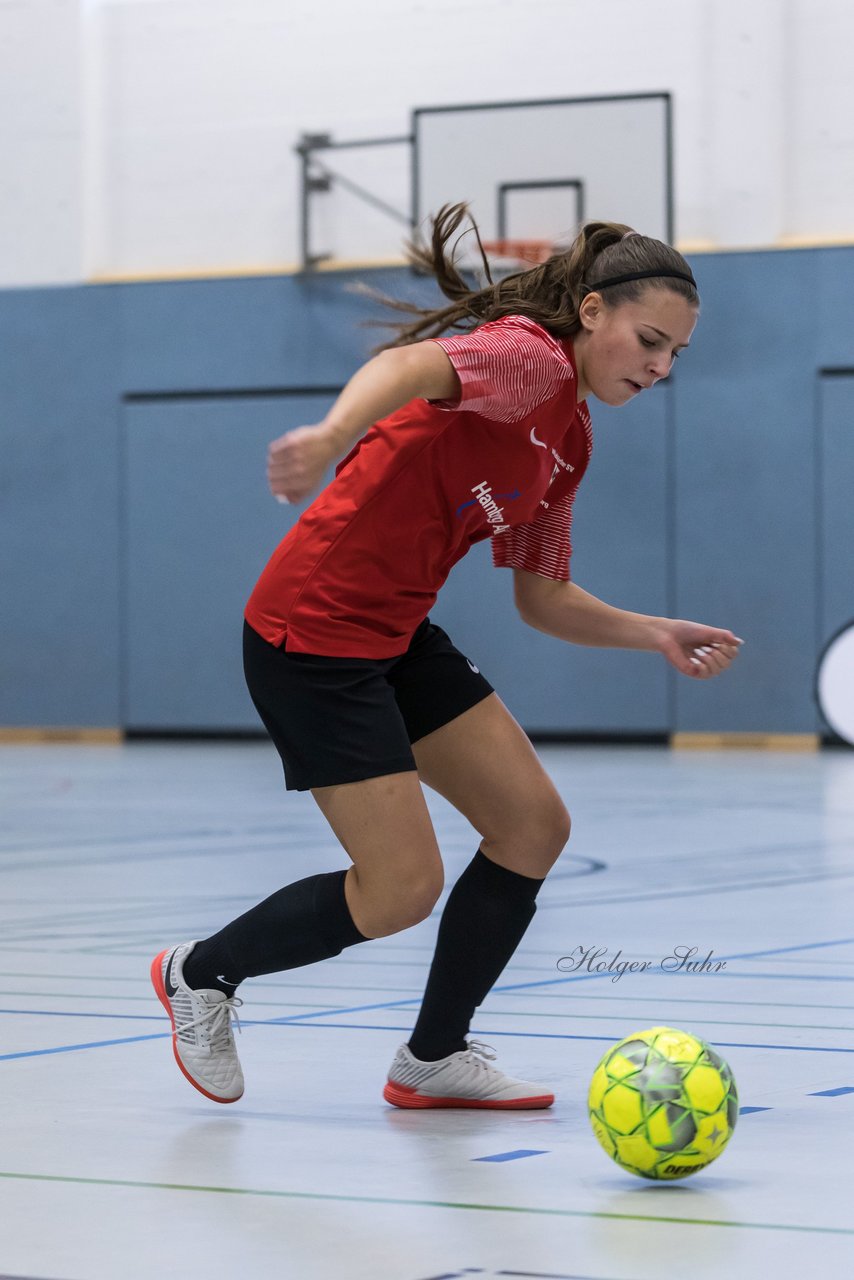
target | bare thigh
[
  {"x": 385, "y": 828},
  {"x": 484, "y": 764}
]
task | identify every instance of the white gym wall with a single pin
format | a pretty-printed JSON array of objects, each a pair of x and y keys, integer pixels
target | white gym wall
[{"x": 156, "y": 136}]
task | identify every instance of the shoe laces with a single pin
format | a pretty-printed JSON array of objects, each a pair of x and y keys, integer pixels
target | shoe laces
[
  {"x": 478, "y": 1053},
  {"x": 217, "y": 1015}
]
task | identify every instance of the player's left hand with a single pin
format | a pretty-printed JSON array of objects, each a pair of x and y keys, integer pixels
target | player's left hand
[{"x": 697, "y": 650}]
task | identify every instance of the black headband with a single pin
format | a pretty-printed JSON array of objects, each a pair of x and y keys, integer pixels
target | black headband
[{"x": 637, "y": 275}]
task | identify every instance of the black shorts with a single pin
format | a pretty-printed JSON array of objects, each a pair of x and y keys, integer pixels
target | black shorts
[{"x": 339, "y": 720}]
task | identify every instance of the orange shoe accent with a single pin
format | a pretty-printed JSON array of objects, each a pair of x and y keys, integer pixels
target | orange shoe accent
[
  {"x": 400, "y": 1095},
  {"x": 157, "y": 982}
]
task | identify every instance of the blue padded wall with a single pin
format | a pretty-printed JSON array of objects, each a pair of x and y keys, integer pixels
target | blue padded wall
[
  {"x": 134, "y": 521},
  {"x": 745, "y": 517},
  {"x": 59, "y": 406},
  {"x": 199, "y": 526},
  {"x": 836, "y": 485}
]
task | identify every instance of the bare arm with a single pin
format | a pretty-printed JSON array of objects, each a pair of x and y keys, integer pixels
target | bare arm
[
  {"x": 563, "y": 610},
  {"x": 297, "y": 460},
  {"x": 388, "y": 382}
]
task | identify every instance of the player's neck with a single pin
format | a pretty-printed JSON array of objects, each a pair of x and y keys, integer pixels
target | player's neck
[{"x": 578, "y": 345}]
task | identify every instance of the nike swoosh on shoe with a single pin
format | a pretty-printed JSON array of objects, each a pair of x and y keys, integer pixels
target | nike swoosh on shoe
[{"x": 167, "y": 981}]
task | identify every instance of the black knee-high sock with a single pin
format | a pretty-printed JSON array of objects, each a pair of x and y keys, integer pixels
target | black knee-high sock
[
  {"x": 485, "y": 918},
  {"x": 297, "y": 925}
]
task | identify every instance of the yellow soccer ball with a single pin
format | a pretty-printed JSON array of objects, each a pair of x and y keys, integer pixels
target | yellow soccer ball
[{"x": 663, "y": 1103}]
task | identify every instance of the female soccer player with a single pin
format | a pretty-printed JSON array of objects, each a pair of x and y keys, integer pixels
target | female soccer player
[{"x": 448, "y": 441}]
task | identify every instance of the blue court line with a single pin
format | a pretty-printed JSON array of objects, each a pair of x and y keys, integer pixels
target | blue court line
[
  {"x": 746, "y": 1111},
  {"x": 697, "y": 977},
  {"x": 745, "y": 955},
  {"x": 516, "y": 986},
  {"x": 355, "y": 1026},
  {"x": 663, "y": 973},
  {"x": 299, "y": 1018},
  {"x": 360, "y": 1008},
  {"x": 70, "y": 1048},
  {"x": 59, "y": 1013},
  {"x": 246, "y": 1022},
  {"x": 779, "y": 977},
  {"x": 578, "y": 977},
  {"x": 831, "y": 1093},
  {"x": 121, "y": 1017},
  {"x": 397, "y": 1004},
  {"x": 802, "y": 946},
  {"x": 507, "y": 1155},
  {"x": 554, "y": 1035}
]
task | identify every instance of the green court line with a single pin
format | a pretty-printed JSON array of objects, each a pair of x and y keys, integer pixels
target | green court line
[{"x": 430, "y": 1204}]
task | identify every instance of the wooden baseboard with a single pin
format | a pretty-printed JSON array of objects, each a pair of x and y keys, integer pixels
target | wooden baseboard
[
  {"x": 678, "y": 741},
  {"x": 745, "y": 741},
  {"x": 47, "y": 734}
]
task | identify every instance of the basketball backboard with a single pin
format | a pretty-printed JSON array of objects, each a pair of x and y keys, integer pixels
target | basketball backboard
[{"x": 539, "y": 169}]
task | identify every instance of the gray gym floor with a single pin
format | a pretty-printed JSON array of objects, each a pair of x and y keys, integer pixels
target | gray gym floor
[{"x": 112, "y": 1165}]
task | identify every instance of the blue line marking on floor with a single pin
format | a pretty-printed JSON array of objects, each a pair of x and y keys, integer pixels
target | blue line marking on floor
[
  {"x": 746, "y": 1111},
  {"x": 508, "y": 1155},
  {"x": 801, "y": 946},
  {"x": 70, "y": 1048},
  {"x": 552, "y": 1035},
  {"x": 368, "y": 1026},
  {"x": 716, "y": 977},
  {"x": 360, "y": 1008},
  {"x": 543, "y": 1275},
  {"x": 301, "y": 1018},
  {"x": 831, "y": 1093},
  {"x": 65, "y": 1013}
]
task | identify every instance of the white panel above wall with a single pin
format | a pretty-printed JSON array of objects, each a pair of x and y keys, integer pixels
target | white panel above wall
[
  {"x": 146, "y": 137},
  {"x": 744, "y": 91},
  {"x": 188, "y": 162},
  {"x": 818, "y": 124},
  {"x": 40, "y": 129},
  {"x": 203, "y": 101}
]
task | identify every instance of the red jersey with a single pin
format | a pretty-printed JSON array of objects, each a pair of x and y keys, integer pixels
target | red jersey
[{"x": 363, "y": 565}]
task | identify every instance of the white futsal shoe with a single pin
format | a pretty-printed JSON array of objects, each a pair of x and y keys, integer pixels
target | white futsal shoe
[
  {"x": 463, "y": 1079},
  {"x": 202, "y": 1038}
]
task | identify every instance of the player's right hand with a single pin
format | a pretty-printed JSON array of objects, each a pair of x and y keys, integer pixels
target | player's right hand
[{"x": 297, "y": 460}]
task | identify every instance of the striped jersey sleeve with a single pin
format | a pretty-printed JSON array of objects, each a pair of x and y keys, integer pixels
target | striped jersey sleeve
[
  {"x": 506, "y": 368},
  {"x": 542, "y": 546}
]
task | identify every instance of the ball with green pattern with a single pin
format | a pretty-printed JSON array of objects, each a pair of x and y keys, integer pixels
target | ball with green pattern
[{"x": 663, "y": 1103}]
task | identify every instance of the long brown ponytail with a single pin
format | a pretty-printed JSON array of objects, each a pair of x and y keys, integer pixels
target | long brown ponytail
[{"x": 549, "y": 293}]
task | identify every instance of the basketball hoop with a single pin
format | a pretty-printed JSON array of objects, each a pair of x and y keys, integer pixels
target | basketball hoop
[
  {"x": 505, "y": 258},
  {"x": 524, "y": 252}
]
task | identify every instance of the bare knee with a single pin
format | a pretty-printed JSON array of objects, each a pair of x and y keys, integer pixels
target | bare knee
[
  {"x": 385, "y": 827},
  {"x": 536, "y": 840},
  {"x": 381, "y": 909},
  {"x": 562, "y": 828},
  {"x": 410, "y": 909},
  {"x": 551, "y": 834}
]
